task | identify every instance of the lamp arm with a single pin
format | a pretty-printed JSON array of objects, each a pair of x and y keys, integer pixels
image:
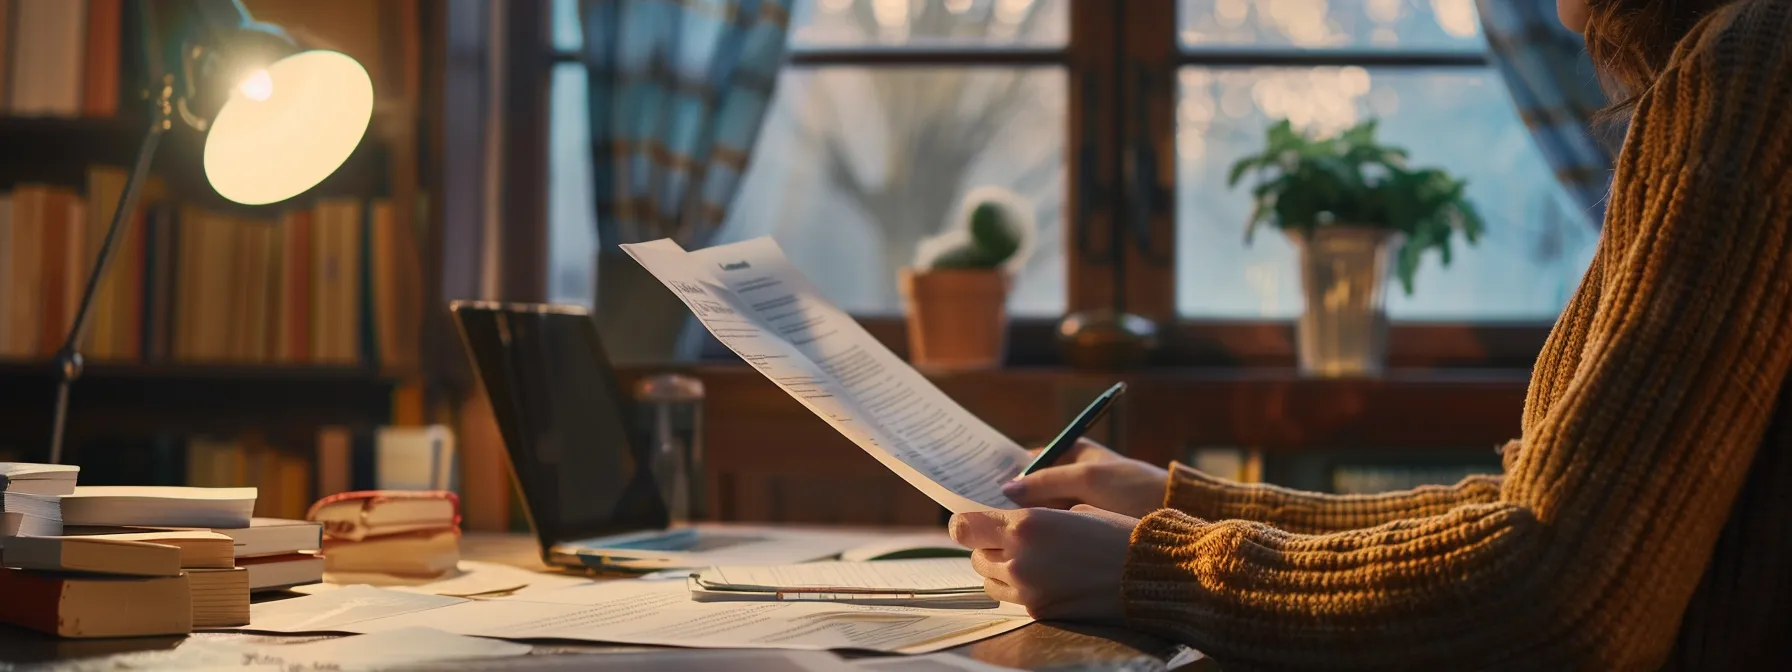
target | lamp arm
[{"x": 68, "y": 359}]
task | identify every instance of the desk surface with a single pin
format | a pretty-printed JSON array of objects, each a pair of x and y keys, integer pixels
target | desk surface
[{"x": 1040, "y": 646}]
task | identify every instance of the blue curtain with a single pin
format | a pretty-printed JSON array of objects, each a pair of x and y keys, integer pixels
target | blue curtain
[
  {"x": 1557, "y": 92},
  {"x": 677, "y": 90}
]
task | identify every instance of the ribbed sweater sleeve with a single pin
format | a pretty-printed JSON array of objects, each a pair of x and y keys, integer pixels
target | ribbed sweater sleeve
[
  {"x": 1611, "y": 507},
  {"x": 1203, "y": 496}
]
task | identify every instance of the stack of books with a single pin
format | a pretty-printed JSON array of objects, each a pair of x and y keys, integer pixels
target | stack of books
[
  {"x": 274, "y": 553},
  {"x": 31, "y": 498},
  {"x": 333, "y": 284},
  {"x": 79, "y": 587},
  {"x": 220, "y": 589},
  {"x": 393, "y": 532}
]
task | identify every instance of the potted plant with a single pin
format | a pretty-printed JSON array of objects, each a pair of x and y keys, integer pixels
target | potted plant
[
  {"x": 1349, "y": 204},
  {"x": 956, "y": 293}
]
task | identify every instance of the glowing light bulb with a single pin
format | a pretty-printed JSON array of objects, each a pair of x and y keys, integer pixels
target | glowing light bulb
[{"x": 258, "y": 87}]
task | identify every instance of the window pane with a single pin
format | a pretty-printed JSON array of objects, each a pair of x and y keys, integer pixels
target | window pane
[
  {"x": 855, "y": 166},
  {"x": 956, "y": 23},
  {"x": 1536, "y": 247},
  {"x": 567, "y": 32},
  {"x": 572, "y": 222},
  {"x": 1331, "y": 24}
]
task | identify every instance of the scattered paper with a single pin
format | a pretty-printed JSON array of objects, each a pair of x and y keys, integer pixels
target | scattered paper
[
  {"x": 470, "y": 579},
  {"x": 938, "y": 662},
  {"x": 332, "y": 611},
  {"x": 411, "y": 646},
  {"x": 764, "y": 309},
  {"x": 642, "y": 612}
]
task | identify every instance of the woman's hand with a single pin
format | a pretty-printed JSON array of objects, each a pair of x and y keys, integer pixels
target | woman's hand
[
  {"x": 1058, "y": 564},
  {"x": 1091, "y": 474}
]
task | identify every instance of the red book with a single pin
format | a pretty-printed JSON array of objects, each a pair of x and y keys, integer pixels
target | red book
[
  {"x": 105, "y": 22},
  {"x": 295, "y": 310},
  {"x": 74, "y": 605}
]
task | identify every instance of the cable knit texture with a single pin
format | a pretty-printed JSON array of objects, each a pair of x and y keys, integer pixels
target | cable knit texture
[{"x": 1645, "y": 516}]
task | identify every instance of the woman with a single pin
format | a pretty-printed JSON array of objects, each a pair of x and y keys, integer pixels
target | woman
[{"x": 1645, "y": 516}]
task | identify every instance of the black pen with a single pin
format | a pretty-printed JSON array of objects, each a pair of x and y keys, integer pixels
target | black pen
[{"x": 1068, "y": 438}]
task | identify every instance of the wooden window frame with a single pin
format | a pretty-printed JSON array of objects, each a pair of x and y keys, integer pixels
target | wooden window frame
[{"x": 1119, "y": 160}]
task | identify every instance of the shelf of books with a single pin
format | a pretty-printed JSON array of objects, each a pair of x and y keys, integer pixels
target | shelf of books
[{"x": 224, "y": 339}]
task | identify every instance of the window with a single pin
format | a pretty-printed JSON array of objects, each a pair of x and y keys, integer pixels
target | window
[
  {"x": 1437, "y": 99},
  {"x": 889, "y": 110},
  {"x": 856, "y": 161}
]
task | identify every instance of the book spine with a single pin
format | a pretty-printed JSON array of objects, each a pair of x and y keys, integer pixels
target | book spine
[
  {"x": 33, "y": 601},
  {"x": 105, "y": 22},
  {"x": 6, "y": 238}
]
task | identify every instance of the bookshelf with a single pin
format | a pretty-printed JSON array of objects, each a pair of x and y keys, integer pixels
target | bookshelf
[{"x": 131, "y": 417}]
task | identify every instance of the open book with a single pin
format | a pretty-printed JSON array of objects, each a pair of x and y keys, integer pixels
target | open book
[{"x": 764, "y": 309}]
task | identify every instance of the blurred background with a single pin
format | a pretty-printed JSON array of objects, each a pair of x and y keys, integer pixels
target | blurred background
[{"x": 515, "y": 143}]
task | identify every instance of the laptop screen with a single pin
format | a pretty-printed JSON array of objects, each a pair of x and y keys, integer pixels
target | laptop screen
[{"x": 563, "y": 418}]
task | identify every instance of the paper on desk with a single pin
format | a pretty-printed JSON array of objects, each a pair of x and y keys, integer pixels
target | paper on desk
[
  {"x": 361, "y": 652},
  {"x": 766, "y": 311},
  {"x": 333, "y": 610},
  {"x": 470, "y": 579},
  {"x": 649, "y": 612},
  {"x": 930, "y": 575},
  {"x": 939, "y": 662}
]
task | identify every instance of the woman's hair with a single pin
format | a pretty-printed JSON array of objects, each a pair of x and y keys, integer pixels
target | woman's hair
[{"x": 1631, "y": 41}]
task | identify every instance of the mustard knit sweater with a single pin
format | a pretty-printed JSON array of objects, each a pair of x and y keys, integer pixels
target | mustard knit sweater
[{"x": 1645, "y": 516}]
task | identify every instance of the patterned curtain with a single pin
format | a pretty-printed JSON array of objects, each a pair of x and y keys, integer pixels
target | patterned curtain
[
  {"x": 1557, "y": 92},
  {"x": 677, "y": 92}
]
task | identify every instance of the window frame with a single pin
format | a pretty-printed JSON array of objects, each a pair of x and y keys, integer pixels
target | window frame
[{"x": 1120, "y": 183}]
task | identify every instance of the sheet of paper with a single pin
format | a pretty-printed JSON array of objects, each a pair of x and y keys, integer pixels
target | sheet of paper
[
  {"x": 470, "y": 579},
  {"x": 412, "y": 646},
  {"x": 662, "y": 613},
  {"x": 920, "y": 541},
  {"x": 764, "y": 309},
  {"x": 938, "y": 662},
  {"x": 332, "y": 611},
  {"x": 938, "y": 574}
]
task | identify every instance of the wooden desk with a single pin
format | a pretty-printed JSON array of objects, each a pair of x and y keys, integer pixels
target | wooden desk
[{"x": 1039, "y": 646}]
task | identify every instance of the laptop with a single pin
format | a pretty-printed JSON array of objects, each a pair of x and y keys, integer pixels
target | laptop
[{"x": 588, "y": 488}]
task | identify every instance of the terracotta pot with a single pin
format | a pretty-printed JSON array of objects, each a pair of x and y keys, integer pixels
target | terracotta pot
[{"x": 957, "y": 318}]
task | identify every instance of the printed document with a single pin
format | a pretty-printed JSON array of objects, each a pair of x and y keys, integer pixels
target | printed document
[
  {"x": 641, "y": 612},
  {"x": 764, "y": 309}
]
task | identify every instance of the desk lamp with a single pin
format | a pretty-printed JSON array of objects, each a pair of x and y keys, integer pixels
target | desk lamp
[{"x": 277, "y": 119}]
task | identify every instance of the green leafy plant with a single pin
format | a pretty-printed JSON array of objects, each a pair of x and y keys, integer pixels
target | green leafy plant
[
  {"x": 1306, "y": 182},
  {"x": 994, "y": 232}
]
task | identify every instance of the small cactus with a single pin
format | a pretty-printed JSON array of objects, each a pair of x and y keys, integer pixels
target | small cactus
[{"x": 994, "y": 232}]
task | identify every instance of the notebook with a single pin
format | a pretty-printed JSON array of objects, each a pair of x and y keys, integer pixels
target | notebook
[
  {"x": 263, "y": 536},
  {"x": 88, "y": 554},
  {"x": 37, "y": 515},
  {"x": 931, "y": 582},
  {"x": 162, "y": 506},
  {"x": 199, "y": 549},
  {"x": 353, "y": 516},
  {"x": 76, "y": 605},
  {"x": 38, "y": 479},
  {"x": 272, "y": 572},
  {"x": 220, "y": 597}
]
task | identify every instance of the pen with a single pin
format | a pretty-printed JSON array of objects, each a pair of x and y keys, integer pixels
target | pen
[{"x": 1068, "y": 438}]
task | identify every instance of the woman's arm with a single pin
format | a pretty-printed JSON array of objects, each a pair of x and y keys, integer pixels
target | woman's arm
[
  {"x": 1203, "y": 496},
  {"x": 1609, "y": 512}
]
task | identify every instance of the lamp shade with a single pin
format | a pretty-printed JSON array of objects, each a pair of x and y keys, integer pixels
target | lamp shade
[{"x": 284, "y": 129}]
